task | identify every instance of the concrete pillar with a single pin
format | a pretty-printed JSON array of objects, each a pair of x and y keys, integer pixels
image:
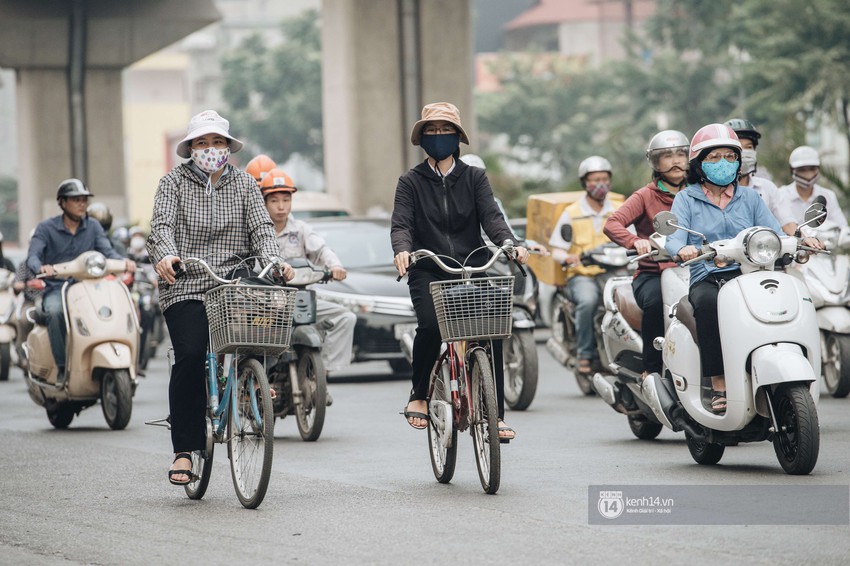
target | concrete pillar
[
  {"x": 35, "y": 41},
  {"x": 368, "y": 72}
]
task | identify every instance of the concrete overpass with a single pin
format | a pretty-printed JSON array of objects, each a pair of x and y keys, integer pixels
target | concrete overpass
[{"x": 382, "y": 60}]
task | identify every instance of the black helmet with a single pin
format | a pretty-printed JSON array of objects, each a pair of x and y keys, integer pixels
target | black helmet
[
  {"x": 72, "y": 188},
  {"x": 745, "y": 129},
  {"x": 102, "y": 214}
]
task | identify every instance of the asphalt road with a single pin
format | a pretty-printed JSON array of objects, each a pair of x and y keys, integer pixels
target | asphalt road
[{"x": 365, "y": 494}]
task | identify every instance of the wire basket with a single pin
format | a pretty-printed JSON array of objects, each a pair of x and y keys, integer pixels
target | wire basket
[
  {"x": 474, "y": 309},
  {"x": 253, "y": 318}
]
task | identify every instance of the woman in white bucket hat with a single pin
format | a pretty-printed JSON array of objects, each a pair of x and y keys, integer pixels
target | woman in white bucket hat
[{"x": 203, "y": 208}]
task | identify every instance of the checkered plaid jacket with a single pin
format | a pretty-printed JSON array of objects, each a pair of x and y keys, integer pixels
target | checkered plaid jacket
[{"x": 223, "y": 224}]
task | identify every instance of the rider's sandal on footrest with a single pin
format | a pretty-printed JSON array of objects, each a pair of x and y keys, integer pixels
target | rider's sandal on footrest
[
  {"x": 189, "y": 473},
  {"x": 718, "y": 402}
]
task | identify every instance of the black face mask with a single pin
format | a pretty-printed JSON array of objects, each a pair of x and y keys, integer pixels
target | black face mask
[{"x": 440, "y": 146}]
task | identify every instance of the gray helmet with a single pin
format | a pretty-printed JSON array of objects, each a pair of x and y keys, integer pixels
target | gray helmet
[
  {"x": 102, "y": 214},
  {"x": 745, "y": 129},
  {"x": 72, "y": 188},
  {"x": 666, "y": 140},
  {"x": 593, "y": 164}
]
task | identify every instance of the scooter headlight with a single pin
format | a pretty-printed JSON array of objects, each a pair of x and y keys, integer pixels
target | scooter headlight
[
  {"x": 762, "y": 246},
  {"x": 96, "y": 265}
]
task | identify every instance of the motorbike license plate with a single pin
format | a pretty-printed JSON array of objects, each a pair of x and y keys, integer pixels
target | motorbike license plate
[{"x": 401, "y": 329}]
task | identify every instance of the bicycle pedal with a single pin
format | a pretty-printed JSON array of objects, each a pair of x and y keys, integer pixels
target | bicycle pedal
[{"x": 166, "y": 422}]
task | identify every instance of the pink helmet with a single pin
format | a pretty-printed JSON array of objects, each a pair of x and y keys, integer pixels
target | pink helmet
[{"x": 713, "y": 135}]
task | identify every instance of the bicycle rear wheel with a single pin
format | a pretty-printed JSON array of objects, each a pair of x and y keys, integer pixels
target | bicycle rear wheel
[
  {"x": 250, "y": 442},
  {"x": 485, "y": 423},
  {"x": 442, "y": 434}
]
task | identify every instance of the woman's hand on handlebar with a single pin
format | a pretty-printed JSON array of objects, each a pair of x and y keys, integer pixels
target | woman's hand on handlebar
[
  {"x": 688, "y": 253},
  {"x": 402, "y": 262},
  {"x": 522, "y": 254},
  {"x": 642, "y": 246},
  {"x": 813, "y": 242},
  {"x": 165, "y": 268}
]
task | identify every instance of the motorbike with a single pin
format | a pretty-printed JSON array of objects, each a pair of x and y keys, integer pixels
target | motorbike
[
  {"x": 8, "y": 329},
  {"x": 562, "y": 344},
  {"x": 771, "y": 352},
  {"x": 102, "y": 338},
  {"x": 298, "y": 376},
  {"x": 828, "y": 279},
  {"x": 146, "y": 297},
  {"x": 623, "y": 343}
]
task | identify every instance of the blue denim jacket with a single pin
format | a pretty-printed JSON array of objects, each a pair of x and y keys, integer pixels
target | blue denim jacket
[
  {"x": 696, "y": 212},
  {"x": 53, "y": 243}
]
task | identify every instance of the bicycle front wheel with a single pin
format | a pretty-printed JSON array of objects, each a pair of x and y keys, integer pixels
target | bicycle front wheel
[
  {"x": 250, "y": 442},
  {"x": 485, "y": 423},
  {"x": 442, "y": 433}
]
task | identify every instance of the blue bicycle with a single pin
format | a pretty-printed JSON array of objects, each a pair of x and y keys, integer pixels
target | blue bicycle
[{"x": 247, "y": 322}]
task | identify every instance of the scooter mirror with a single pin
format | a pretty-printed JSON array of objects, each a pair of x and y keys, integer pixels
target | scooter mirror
[
  {"x": 816, "y": 213},
  {"x": 665, "y": 223},
  {"x": 567, "y": 232}
]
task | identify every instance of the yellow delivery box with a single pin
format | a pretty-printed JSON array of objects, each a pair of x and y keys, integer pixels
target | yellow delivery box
[{"x": 542, "y": 214}]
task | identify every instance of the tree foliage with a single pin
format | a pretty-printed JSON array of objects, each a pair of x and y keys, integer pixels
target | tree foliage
[
  {"x": 783, "y": 64},
  {"x": 274, "y": 93}
]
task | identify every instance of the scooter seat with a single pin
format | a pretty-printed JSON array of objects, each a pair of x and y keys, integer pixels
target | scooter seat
[
  {"x": 685, "y": 314},
  {"x": 624, "y": 298}
]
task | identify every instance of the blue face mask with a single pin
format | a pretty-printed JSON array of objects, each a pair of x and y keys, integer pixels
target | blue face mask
[
  {"x": 440, "y": 146},
  {"x": 721, "y": 173}
]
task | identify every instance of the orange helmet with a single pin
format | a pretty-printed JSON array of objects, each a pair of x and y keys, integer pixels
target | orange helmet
[
  {"x": 259, "y": 167},
  {"x": 276, "y": 181}
]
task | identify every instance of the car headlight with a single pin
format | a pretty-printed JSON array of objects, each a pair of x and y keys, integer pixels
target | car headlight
[
  {"x": 762, "y": 246},
  {"x": 96, "y": 265}
]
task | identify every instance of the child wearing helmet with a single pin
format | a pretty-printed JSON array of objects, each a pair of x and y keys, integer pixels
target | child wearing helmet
[
  {"x": 585, "y": 217},
  {"x": 804, "y": 163},
  {"x": 297, "y": 239},
  {"x": 714, "y": 205},
  {"x": 667, "y": 154}
]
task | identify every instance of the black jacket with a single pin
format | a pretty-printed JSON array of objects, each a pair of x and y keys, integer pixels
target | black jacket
[{"x": 446, "y": 214}]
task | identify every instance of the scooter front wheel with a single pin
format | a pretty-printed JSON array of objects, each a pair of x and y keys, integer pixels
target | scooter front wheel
[
  {"x": 116, "y": 397},
  {"x": 520, "y": 369},
  {"x": 704, "y": 453},
  {"x": 797, "y": 440},
  {"x": 313, "y": 384}
]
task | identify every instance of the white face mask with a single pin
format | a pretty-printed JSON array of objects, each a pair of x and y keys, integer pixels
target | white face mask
[
  {"x": 211, "y": 159},
  {"x": 748, "y": 162}
]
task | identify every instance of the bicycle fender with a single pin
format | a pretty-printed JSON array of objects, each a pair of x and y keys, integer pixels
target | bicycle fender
[{"x": 306, "y": 335}]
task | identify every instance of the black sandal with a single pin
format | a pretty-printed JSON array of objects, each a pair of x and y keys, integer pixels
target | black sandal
[
  {"x": 171, "y": 473},
  {"x": 718, "y": 402},
  {"x": 505, "y": 428}
]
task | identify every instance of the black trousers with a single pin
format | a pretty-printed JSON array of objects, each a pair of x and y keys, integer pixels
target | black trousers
[
  {"x": 647, "y": 291},
  {"x": 187, "y": 393},
  {"x": 426, "y": 344},
  {"x": 703, "y": 297}
]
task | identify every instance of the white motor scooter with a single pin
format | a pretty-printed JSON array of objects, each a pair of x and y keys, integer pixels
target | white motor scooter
[
  {"x": 771, "y": 352},
  {"x": 8, "y": 330},
  {"x": 102, "y": 340},
  {"x": 623, "y": 342},
  {"x": 828, "y": 279}
]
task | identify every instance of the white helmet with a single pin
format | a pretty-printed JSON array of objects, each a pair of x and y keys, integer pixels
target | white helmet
[
  {"x": 804, "y": 156},
  {"x": 664, "y": 141},
  {"x": 473, "y": 160},
  {"x": 593, "y": 164}
]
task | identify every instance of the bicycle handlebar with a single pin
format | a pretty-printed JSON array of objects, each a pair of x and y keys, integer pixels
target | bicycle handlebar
[
  {"x": 464, "y": 271},
  {"x": 196, "y": 260}
]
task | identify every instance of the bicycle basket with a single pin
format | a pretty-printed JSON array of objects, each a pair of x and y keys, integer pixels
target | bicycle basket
[
  {"x": 470, "y": 309},
  {"x": 252, "y": 318}
]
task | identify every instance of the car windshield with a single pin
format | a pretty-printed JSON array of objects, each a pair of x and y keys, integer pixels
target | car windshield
[{"x": 358, "y": 244}]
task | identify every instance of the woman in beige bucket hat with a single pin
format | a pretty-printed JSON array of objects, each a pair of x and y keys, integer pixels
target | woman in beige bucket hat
[{"x": 442, "y": 205}]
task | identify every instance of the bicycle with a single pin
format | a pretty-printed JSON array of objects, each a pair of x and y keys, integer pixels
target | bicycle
[
  {"x": 471, "y": 313},
  {"x": 246, "y": 322}
]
